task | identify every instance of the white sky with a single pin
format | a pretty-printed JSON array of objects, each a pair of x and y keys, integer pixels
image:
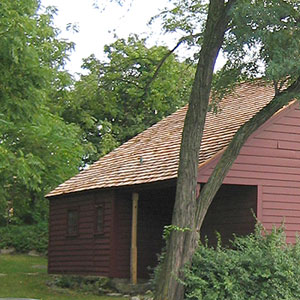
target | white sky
[{"x": 96, "y": 26}]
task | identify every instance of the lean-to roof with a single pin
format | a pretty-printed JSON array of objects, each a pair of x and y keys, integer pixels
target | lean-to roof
[{"x": 158, "y": 146}]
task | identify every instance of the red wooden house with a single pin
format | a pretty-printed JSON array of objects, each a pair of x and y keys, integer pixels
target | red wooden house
[{"x": 92, "y": 215}]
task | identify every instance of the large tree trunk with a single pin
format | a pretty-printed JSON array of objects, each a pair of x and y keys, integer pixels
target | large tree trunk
[
  {"x": 230, "y": 154},
  {"x": 182, "y": 244}
]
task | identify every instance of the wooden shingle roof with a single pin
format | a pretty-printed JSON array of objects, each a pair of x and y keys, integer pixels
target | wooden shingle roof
[{"x": 153, "y": 154}]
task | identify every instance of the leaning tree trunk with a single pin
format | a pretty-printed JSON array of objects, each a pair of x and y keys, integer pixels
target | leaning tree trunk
[
  {"x": 182, "y": 244},
  {"x": 211, "y": 187}
]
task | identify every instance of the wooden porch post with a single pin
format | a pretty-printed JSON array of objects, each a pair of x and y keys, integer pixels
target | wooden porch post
[{"x": 133, "y": 253}]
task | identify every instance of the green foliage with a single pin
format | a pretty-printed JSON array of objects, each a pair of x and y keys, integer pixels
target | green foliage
[
  {"x": 38, "y": 150},
  {"x": 262, "y": 40},
  {"x": 266, "y": 32},
  {"x": 169, "y": 228},
  {"x": 25, "y": 237},
  {"x": 258, "y": 266},
  {"x": 93, "y": 284},
  {"x": 186, "y": 16},
  {"x": 115, "y": 100}
]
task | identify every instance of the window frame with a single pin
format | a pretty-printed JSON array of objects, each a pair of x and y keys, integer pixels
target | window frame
[
  {"x": 96, "y": 219},
  {"x": 75, "y": 232}
]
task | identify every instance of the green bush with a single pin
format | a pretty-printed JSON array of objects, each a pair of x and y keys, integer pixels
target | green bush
[
  {"x": 258, "y": 266},
  {"x": 25, "y": 237}
]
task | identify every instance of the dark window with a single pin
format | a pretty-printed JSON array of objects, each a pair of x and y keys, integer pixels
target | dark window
[
  {"x": 99, "y": 226},
  {"x": 73, "y": 222}
]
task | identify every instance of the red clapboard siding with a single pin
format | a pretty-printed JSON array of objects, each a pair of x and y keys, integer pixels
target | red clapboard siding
[
  {"x": 289, "y": 145},
  {"x": 284, "y": 128},
  {"x": 279, "y": 135},
  {"x": 281, "y": 213},
  {"x": 263, "y": 143},
  {"x": 289, "y": 120},
  {"x": 271, "y": 159},
  {"x": 85, "y": 253}
]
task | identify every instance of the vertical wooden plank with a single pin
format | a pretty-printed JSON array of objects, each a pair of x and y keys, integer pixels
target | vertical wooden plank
[
  {"x": 133, "y": 254},
  {"x": 113, "y": 235},
  {"x": 259, "y": 213}
]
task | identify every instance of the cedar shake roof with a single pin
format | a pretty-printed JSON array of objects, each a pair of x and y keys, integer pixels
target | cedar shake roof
[{"x": 158, "y": 146}]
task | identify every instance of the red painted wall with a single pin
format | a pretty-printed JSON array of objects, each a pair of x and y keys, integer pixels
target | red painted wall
[
  {"x": 108, "y": 254},
  {"x": 87, "y": 252},
  {"x": 271, "y": 160}
]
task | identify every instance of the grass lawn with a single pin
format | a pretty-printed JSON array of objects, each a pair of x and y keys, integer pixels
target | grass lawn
[{"x": 26, "y": 277}]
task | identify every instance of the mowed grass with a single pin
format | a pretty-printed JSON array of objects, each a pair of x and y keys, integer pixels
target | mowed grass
[{"x": 23, "y": 276}]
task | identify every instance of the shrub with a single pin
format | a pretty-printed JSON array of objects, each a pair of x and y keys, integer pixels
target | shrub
[
  {"x": 25, "y": 237},
  {"x": 258, "y": 266}
]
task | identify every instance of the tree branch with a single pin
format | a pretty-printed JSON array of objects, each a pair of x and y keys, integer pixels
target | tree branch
[{"x": 183, "y": 39}]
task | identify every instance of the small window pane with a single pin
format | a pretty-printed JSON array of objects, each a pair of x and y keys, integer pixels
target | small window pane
[
  {"x": 99, "y": 219},
  {"x": 72, "y": 222}
]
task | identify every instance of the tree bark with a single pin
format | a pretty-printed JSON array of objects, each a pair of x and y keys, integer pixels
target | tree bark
[{"x": 182, "y": 244}]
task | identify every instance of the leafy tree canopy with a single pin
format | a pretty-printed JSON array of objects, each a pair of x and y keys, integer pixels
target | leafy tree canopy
[
  {"x": 262, "y": 39},
  {"x": 115, "y": 101},
  {"x": 37, "y": 149}
]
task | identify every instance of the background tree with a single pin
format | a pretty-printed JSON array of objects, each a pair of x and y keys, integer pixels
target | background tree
[
  {"x": 115, "y": 100},
  {"x": 38, "y": 149},
  {"x": 259, "y": 38}
]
